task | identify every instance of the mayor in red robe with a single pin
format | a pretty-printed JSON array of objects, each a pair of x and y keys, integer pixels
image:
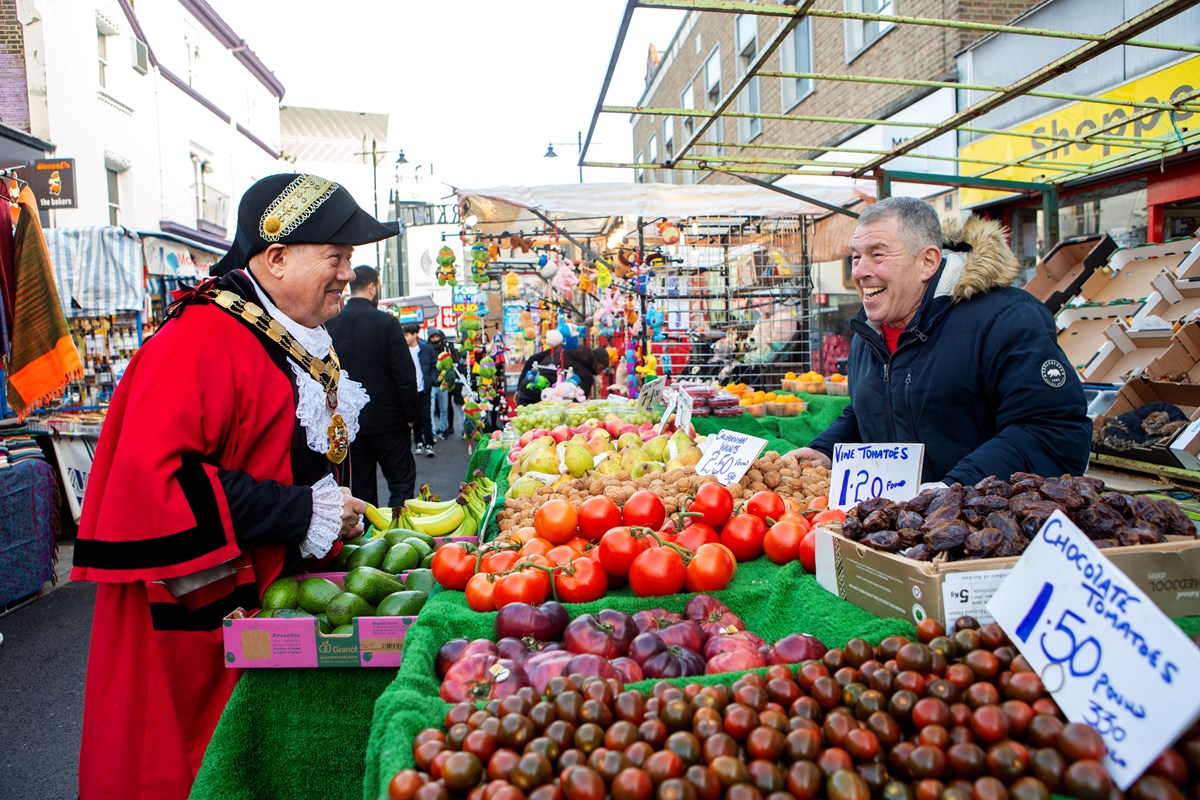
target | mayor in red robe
[{"x": 219, "y": 468}]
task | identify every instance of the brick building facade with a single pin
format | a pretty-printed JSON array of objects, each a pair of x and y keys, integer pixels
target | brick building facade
[
  {"x": 844, "y": 47},
  {"x": 14, "y": 97}
]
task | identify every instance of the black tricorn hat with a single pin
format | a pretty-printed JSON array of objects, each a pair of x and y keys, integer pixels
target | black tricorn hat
[{"x": 298, "y": 209}]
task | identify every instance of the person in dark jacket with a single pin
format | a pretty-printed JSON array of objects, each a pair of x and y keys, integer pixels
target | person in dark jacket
[
  {"x": 947, "y": 354},
  {"x": 423, "y": 358},
  {"x": 372, "y": 349},
  {"x": 445, "y": 382}
]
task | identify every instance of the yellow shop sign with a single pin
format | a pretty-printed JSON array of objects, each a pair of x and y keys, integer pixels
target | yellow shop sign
[{"x": 1078, "y": 119}]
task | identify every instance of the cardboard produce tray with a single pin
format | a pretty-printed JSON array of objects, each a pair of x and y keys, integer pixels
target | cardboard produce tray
[{"x": 891, "y": 585}]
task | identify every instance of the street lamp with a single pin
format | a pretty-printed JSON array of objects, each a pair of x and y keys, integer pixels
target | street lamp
[
  {"x": 375, "y": 154},
  {"x": 578, "y": 144}
]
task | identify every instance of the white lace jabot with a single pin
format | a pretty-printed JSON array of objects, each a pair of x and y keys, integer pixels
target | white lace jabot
[{"x": 311, "y": 409}]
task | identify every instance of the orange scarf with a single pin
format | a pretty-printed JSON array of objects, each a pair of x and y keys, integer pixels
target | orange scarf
[{"x": 44, "y": 359}]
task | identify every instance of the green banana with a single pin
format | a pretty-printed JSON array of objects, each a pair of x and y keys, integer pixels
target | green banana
[{"x": 439, "y": 524}]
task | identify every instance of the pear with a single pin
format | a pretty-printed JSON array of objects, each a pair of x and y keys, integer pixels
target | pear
[
  {"x": 690, "y": 456},
  {"x": 629, "y": 440},
  {"x": 645, "y": 468},
  {"x": 578, "y": 459},
  {"x": 598, "y": 445},
  {"x": 525, "y": 485},
  {"x": 564, "y": 478},
  {"x": 545, "y": 460},
  {"x": 632, "y": 456},
  {"x": 656, "y": 448},
  {"x": 674, "y": 463},
  {"x": 579, "y": 438},
  {"x": 681, "y": 440},
  {"x": 608, "y": 466}
]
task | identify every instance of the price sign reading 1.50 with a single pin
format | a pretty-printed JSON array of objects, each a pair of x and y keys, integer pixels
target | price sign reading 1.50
[
  {"x": 1110, "y": 658},
  {"x": 863, "y": 471}
]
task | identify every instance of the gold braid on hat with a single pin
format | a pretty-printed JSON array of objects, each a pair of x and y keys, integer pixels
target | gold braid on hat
[{"x": 297, "y": 203}]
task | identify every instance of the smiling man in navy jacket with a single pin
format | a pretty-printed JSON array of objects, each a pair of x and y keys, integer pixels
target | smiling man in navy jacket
[{"x": 947, "y": 354}]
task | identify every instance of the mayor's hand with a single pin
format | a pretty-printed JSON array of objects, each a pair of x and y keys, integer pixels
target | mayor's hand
[
  {"x": 352, "y": 511},
  {"x": 814, "y": 457}
]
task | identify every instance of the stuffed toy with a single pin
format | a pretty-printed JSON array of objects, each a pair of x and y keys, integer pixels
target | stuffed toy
[
  {"x": 570, "y": 335},
  {"x": 512, "y": 285},
  {"x": 585, "y": 283},
  {"x": 472, "y": 427},
  {"x": 565, "y": 280},
  {"x": 445, "y": 270},
  {"x": 486, "y": 370},
  {"x": 607, "y": 314},
  {"x": 479, "y": 262},
  {"x": 631, "y": 368},
  {"x": 603, "y": 275},
  {"x": 654, "y": 319},
  {"x": 669, "y": 232},
  {"x": 445, "y": 369},
  {"x": 525, "y": 320},
  {"x": 493, "y": 252},
  {"x": 469, "y": 327},
  {"x": 649, "y": 368},
  {"x": 631, "y": 314}
]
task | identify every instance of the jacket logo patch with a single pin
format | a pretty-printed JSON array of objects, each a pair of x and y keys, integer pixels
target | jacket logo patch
[{"x": 1054, "y": 374}]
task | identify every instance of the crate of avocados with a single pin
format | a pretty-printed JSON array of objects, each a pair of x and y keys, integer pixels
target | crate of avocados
[{"x": 338, "y": 619}]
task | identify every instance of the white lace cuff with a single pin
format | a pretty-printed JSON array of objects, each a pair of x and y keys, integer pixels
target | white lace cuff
[{"x": 326, "y": 521}]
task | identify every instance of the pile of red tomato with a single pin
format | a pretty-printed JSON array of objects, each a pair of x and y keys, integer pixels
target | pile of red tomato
[{"x": 576, "y": 554}]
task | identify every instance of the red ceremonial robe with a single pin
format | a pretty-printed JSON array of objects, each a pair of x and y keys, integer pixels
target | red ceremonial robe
[{"x": 198, "y": 498}]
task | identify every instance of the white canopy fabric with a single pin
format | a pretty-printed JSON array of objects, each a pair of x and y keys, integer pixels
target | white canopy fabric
[{"x": 587, "y": 205}]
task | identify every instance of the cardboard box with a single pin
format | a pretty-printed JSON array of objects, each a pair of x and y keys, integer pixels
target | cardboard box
[
  {"x": 1170, "y": 302},
  {"x": 1129, "y": 281},
  {"x": 1081, "y": 331},
  {"x": 1058, "y": 276},
  {"x": 1180, "y": 362},
  {"x": 1137, "y": 393},
  {"x": 1190, "y": 266},
  {"x": 1125, "y": 353},
  {"x": 1186, "y": 447},
  {"x": 253, "y": 643},
  {"x": 889, "y": 585}
]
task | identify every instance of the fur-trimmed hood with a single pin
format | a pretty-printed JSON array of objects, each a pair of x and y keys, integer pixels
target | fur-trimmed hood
[{"x": 977, "y": 258}]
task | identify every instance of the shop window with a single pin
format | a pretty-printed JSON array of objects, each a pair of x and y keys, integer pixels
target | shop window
[
  {"x": 652, "y": 148},
  {"x": 687, "y": 101},
  {"x": 668, "y": 139},
  {"x": 861, "y": 34},
  {"x": 1120, "y": 211},
  {"x": 1180, "y": 221},
  {"x": 796, "y": 56},
  {"x": 748, "y": 98},
  {"x": 712, "y": 96}
]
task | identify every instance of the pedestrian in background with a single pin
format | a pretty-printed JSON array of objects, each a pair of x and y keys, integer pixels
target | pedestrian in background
[
  {"x": 446, "y": 382},
  {"x": 373, "y": 350},
  {"x": 423, "y": 359}
]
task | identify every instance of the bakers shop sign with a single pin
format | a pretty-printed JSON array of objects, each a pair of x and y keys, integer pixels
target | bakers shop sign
[{"x": 53, "y": 183}]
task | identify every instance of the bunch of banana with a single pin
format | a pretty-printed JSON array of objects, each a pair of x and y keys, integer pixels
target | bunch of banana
[{"x": 462, "y": 516}]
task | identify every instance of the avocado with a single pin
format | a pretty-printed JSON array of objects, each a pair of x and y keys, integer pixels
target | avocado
[
  {"x": 281, "y": 594},
  {"x": 288, "y": 613},
  {"x": 341, "y": 560},
  {"x": 422, "y": 547},
  {"x": 315, "y": 594},
  {"x": 405, "y": 534},
  {"x": 343, "y": 630},
  {"x": 401, "y": 557},
  {"x": 372, "y": 584},
  {"x": 401, "y": 604},
  {"x": 427, "y": 561},
  {"x": 323, "y": 624},
  {"x": 345, "y": 606},
  {"x": 370, "y": 554},
  {"x": 420, "y": 580}
]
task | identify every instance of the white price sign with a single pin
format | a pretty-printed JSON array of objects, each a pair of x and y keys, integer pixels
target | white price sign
[
  {"x": 728, "y": 456},
  {"x": 1109, "y": 656},
  {"x": 651, "y": 394},
  {"x": 863, "y": 471}
]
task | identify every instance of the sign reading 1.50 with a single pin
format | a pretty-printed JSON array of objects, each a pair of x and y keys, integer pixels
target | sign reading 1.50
[{"x": 863, "y": 471}]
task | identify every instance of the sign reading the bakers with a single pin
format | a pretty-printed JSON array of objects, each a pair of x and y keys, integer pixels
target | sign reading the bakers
[
  {"x": 53, "y": 183},
  {"x": 1107, "y": 654},
  {"x": 728, "y": 455}
]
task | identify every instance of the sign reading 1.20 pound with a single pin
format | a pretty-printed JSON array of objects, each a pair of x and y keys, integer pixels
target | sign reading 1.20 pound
[{"x": 863, "y": 471}]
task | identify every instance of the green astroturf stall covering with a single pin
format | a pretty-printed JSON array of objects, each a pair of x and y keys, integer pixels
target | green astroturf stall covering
[{"x": 782, "y": 433}]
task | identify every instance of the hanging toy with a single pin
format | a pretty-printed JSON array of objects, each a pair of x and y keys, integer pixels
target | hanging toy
[
  {"x": 623, "y": 264},
  {"x": 654, "y": 319},
  {"x": 570, "y": 336},
  {"x": 535, "y": 381},
  {"x": 603, "y": 275},
  {"x": 669, "y": 232},
  {"x": 468, "y": 329},
  {"x": 493, "y": 252},
  {"x": 512, "y": 285},
  {"x": 606, "y": 314},
  {"x": 525, "y": 320},
  {"x": 631, "y": 314},
  {"x": 445, "y": 269},
  {"x": 585, "y": 283},
  {"x": 445, "y": 370},
  {"x": 649, "y": 368},
  {"x": 631, "y": 368},
  {"x": 666, "y": 363},
  {"x": 472, "y": 427},
  {"x": 479, "y": 262},
  {"x": 486, "y": 370},
  {"x": 565, "y": 280}
]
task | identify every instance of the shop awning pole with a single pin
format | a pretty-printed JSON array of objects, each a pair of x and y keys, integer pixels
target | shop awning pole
[
  {"x": 608, "y": 75},
  {"x": 796, "y": 195}
]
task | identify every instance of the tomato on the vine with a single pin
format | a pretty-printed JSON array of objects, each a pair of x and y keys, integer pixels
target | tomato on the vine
[
  {"x": 808, "y": 552},
  {"x": 818, "y": 503},
  {"x": 829, "y": 515},
  {"x": 453, "y": 566},
  {"x": 556, "y": 521},
  {"x": 481, "y": 592},
  {"x": 618, "y": 548},
  {"x": 535, "y": 546},
  {"x": 744, "y": 534},
  {"x": 562, "y": 554},
  {"x": 657, "y": 572},
  {"x": 798, "y": 518},
  {"x": 498, "y": 560},
  {"x": 526, "y": 586},
  {"x": 581, "y": 581},
  {"x": 782, "y": 542},
  {"x": 710, "y": 570},
  {"x": 644, "y": 508},
  {"x": 695, "y": 535},
  {"x": 597, "y": 515},
  {"x": 714, "y": 503},
  {"x": 766, "y": 506}
]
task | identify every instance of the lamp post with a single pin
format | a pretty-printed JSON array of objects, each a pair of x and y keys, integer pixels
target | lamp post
[
  {"x": 579, "y": 146},
  {"x": 375, "y": 154}
]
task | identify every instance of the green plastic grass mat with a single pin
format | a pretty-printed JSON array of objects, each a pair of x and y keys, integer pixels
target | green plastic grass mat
[
  {"x": 822, "y": 410},
  {"x": 744, "y": 424},
  {"x": 292, "y": 733},
  {"x": 773, "y": 601}
]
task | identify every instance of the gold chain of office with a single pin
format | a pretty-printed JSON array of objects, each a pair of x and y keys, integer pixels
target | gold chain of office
[{"x": 324, "y": 371}]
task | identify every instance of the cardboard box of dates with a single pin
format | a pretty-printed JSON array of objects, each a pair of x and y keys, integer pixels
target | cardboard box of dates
[{"x": 944, "y": 553}]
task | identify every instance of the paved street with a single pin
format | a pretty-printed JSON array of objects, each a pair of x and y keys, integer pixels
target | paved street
[{"x": 44, "y": 657}]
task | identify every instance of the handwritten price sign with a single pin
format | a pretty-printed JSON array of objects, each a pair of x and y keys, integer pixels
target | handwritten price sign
[
  {"x": 729, "y": 455},
  {"x": 1109, "y": 656},
  {"x": 651, "y": 394},
  {"x": 863, "y": 471}
]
